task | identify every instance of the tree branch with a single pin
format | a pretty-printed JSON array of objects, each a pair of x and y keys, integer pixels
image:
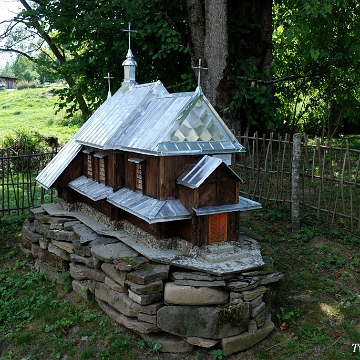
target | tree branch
[{"x": 285, "y": 78}]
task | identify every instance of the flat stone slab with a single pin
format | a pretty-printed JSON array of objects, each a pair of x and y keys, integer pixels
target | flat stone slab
[
  {"x": 247, "y": 258},
  {"x": 108, "y": 253},
  {"x": 245, "y": 340},
  {"x": 209, "y": 322}
]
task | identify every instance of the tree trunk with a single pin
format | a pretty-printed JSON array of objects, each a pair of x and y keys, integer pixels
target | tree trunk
[
  {"x": 214, "y": 24},
  {"x": 216, "y": 47}
]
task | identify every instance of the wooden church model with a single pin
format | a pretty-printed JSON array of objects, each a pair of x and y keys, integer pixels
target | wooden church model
[{"x": 162, "y": 161}]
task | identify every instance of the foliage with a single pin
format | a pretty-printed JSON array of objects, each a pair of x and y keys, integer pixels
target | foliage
[{"x": 319, "y": 38}]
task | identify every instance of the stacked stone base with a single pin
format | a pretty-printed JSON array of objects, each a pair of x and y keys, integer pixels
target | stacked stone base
[{"x": 175, "y": 307}]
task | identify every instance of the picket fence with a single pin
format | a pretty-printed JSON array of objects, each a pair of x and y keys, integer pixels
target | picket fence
[{"x": 330, "y": 182}]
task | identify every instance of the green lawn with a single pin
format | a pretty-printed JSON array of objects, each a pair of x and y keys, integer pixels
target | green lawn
[{"x": 33, "y": 109}]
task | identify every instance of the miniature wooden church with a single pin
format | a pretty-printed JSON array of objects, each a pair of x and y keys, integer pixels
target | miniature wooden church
[{"x": 162, "y": 161}]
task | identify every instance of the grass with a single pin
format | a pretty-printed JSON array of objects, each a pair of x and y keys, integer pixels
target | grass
[
  {"x": 316, "y": 309},
  {"x": 34, "y": 109}
]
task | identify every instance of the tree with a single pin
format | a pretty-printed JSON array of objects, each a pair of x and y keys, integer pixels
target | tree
[
  {"x": 319, "y": 39},
  {"x": 236, "y": 42}
]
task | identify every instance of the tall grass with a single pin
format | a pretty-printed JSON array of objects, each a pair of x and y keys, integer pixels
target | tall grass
[{"x": 34, "y": 109}]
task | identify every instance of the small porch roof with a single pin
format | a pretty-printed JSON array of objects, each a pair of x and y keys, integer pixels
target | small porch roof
[
  {"x": 147, "y": 208},
  {"x": 244, "y": 204},
  {"x": 90, "y": 188}
]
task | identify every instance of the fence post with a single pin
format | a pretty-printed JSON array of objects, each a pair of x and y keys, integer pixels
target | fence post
[{"x": 295, "y": 182}]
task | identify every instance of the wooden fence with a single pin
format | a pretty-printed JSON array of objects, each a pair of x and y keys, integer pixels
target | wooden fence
[
  {"x": 329, "y": 175},
  {"x": 18, "y": 188},
  {"x": 330, "y": 181}
]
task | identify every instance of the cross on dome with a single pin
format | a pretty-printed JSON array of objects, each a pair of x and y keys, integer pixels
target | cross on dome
[
  {"x": 199, "y": 67},
  {"x": 129, "y": 31}
]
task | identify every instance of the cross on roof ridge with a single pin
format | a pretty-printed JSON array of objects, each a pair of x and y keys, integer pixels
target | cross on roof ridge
[
  {"x": 108, "y": 77},
  {"x": 199, "y": 67},
  {"x": 129, "y": 31}
]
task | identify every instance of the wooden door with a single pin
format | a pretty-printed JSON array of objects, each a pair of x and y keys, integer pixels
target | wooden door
[{"x": 218, "y": 228}]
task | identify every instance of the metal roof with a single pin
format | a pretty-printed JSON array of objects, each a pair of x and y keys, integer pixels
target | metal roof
[
  {"x": 198, "y": 172},
  {"x": 243, "y": 205},
  {"x": 147, "y": 208},
  {"x": 147, "y": 119},
  {"x": 90, "y": 188}
]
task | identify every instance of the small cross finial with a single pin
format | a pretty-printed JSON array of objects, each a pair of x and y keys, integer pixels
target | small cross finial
[
  {"x": 108, "y": 77},
  {"x": 129, "y": 31},
  {"x": 199, "y": 67}
]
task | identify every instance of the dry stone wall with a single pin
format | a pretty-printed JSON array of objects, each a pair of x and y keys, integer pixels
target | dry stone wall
[{"x": 176, "y": 307}]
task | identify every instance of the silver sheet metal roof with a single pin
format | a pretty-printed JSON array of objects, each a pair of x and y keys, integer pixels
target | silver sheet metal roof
[
  {"x": 90, "y": 188},
  {"x": 198, "y": 172},
  {"x": 243, "y": 205},
  {"x": 147, "y": 208},
  {"x": 147, "y": 119}
]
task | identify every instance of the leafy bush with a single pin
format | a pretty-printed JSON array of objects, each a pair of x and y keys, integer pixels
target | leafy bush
[
  {"x": 26, "y": 85},
  {"x": 22, "y": 143}
]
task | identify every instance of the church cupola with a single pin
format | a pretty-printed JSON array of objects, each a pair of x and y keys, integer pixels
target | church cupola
[{"x": 129, "y": 65}]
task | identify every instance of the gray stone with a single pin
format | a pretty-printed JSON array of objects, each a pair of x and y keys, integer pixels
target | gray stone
[
  {"x": 256, "y": 310},
  {"x": 64, "y": 235},
  {"x": 267, "y": 279},
  {"x": 84, "y": 233},
  {"x": 102, "y": 240},
  {"x": 82, "y": 250},
  {"x": 188, "y": 295},
  {"x": 95, "y": 274},
  {"x": 145, "y": 299},
  {"x": 150, "y": 288},
  {"x": 37, "y": 211},
  {"x": 114, "y": 274},
  {"x": 69, "y": 224},
  {"x": 201, "y": 283},
  {"x": 64, "y": 245},
  {"x": 56, "y": 226},
  {"x": 205, "y": 343},
  {"x": 43, "y": 267},
  {"x": 88, "y": 261},
  {"x": 59, "y": 252},
  {"x": 76, "y": 271},
  {"x": 252, "y": 294},
  {"x": 44, "y": 243},
  {"x": 252, "y": 326},
  {"x": 236, "y": 298},
  {"x": 256, "y": 302},
  {"x": 30, "y": 235},
  {"x": 130, "y": 263},
  {"x": 193, "y": 275},
  {"x": 169, "y": 343},
  {"x": 136, "y": 325},
  {"x": 42, "y": 229},
  {"x": 208, "y": 322},
  {"x": 114, "y": 285},
  {"x": 260, "y": 318},
  {"x": 81, "y": 287},
  {"x": 119, "y": 301},
  {"x": 220, "y": 248},
  {"x": 147, "y": 318},
  {"x": 35, "y": 250},
  {"x": 53, "y": 260},
  {"x": 150, "y": 273},
  {"x": 246, "y": 340},
  {"x": 151, "y": 309},
  {"x": 108, "y": 253},
  {"x": 109, "y": 310}
]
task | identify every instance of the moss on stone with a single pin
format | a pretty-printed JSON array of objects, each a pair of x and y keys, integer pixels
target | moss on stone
[{"x": 234, "y": 314}]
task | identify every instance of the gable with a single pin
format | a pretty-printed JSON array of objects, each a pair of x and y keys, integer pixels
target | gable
[{"x": 197, "y": 173}]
